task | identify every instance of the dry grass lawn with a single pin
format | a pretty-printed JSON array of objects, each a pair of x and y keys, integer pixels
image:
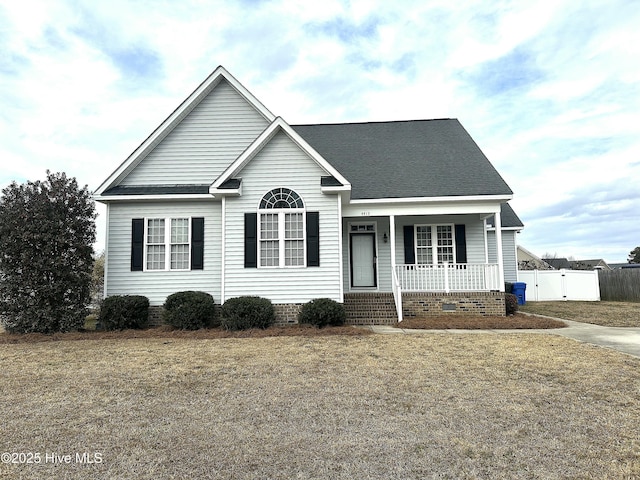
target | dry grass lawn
[
  {"x": 609, "y": 314},
  {"x": 436, "y": 405}
]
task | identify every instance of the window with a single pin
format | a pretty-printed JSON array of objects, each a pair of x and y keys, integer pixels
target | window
[
  {"x": 282, "y": 229},
  {"x": 175, "y": 239},
  {"x": 435, "y": 244}
]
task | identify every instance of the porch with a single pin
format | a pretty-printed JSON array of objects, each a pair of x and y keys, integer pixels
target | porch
[{"x": 449, "y": 256}]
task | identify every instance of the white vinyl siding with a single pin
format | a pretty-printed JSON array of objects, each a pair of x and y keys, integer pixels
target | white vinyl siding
[
  {"x": 508, "y": 253},
  {"x": 205, "y": 142},
  {"x": 281, "y": 164},
  {"x": 157, "y": 285}
]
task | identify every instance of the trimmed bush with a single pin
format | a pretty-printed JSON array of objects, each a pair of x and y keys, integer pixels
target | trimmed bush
[
  {"x": 510, "y": 303},
  {"x": 190, "y": 310},
  {"x": 120, "y": 312},
  {"x": 321, "y": 312},
  {"x": 242, "y": 313}
]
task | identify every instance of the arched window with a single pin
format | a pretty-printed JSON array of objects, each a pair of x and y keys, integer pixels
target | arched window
[{"x": 282, "y": 229}]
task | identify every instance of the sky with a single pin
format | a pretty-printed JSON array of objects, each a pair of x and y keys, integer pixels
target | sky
[{"x": 549, "y": 90}]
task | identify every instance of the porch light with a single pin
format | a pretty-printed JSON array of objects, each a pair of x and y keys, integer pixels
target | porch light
[{"x": 385, "y": 239}]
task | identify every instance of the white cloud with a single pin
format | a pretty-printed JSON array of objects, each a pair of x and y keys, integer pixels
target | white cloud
[{"x": 549, "y": 90}]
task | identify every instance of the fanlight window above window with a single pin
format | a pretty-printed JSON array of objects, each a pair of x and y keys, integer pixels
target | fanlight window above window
[
  {"x": 281, "y": 198},
  {"x": 282, "y": 229}
]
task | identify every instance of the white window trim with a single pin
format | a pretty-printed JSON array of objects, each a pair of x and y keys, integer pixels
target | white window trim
[
  {"x": 434, "y": 240},
  {"x": 167, "y": 244},
  {"x": 281, "y": 212}
]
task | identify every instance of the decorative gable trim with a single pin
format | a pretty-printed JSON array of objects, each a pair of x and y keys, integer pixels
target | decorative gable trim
[
  {"x": 278, "y": 125},
  {"x": 175, "y": 118}
]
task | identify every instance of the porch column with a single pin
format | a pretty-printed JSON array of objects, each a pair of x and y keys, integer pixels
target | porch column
[
  {"x": 392, "y": 241},
  {"x": 498, "y": 224}
]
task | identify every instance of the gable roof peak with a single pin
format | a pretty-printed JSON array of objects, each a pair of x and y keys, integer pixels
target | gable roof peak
[
  {"x": 204, "y": 89},
  {"x": 278, "y": 125}
]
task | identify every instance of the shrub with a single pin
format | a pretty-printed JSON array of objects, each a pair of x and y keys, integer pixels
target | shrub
[
  {"x": 120, "y": 312},
  {"x": 510, "y": 303},
  {"x": 47, "y": 229},
  {"x": 321, "y": 312},
  {"x": 191, "y": 310},
  {"x": 242, "y": 313}
]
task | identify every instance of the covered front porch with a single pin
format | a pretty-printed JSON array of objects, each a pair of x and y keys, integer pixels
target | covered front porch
[{"x": 443, "y": 253}]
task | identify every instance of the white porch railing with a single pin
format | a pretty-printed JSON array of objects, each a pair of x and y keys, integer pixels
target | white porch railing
[{"x": 448, "y": 277}]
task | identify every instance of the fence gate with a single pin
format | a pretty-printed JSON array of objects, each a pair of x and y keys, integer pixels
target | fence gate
[{"x": 553, "y": 285}]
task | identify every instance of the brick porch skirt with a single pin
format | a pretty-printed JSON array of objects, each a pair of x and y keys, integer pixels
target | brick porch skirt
[{"x": 421, "y": 304}]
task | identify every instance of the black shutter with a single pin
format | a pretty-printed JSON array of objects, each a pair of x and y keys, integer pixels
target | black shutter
[
  {"x": 461, "y": 244},
  {"x": 137, "y": 244},
  {"x": 313, "y": 239},
  {"x": 250, "y": 240},
  {"x": 197, "y": 243},
  {"x": 409, "y": 252}
]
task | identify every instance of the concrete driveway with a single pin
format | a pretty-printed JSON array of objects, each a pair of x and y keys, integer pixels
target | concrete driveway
[{"x": 623, "y": 339}]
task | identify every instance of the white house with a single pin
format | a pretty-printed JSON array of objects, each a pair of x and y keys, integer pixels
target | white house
[{"x": 388, "y": 217}]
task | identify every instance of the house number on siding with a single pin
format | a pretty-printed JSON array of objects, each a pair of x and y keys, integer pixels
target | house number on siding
[{"x": 365, "y": 214}]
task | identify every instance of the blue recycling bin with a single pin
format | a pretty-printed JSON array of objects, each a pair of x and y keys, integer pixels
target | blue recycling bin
[{"x": 519, "y": 290}]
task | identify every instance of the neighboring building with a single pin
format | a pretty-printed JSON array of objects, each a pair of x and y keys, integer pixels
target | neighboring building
[
  {"x": 530, "y": 261},
  {"x": 563, "y": 263},
  {"x": 388, "y": 217}
]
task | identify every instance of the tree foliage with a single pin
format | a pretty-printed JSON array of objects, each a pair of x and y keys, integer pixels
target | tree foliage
[
  {"x": 634, "y": 255},
  {"x": 97, "y": 278},
  {"x": 47, "y": 229}
]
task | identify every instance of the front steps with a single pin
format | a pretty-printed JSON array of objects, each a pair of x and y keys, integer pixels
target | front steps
[{"x": 370, "y": 308}]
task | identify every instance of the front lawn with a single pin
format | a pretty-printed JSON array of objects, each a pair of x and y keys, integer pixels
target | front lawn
[
  {"x": 609, "y": 314},
  {"x": 436, "y": 405}
]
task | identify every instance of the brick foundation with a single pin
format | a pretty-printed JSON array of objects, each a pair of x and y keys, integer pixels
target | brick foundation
[
  {"x": 421, "y": 304},
  {"x": 287, "y": 313},
  {"x": 155, "y": 315},
  {"x": 379, "y": 308}
]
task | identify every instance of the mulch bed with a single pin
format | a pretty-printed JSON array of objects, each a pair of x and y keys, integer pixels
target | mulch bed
[
  {"x": 480, "y": 323},
  {"x": 166, "y": 331}
]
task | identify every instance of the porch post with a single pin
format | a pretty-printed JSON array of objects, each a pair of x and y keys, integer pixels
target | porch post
[
  {"x": 392, "y": 240},
  {"x": 498, "y": 224}
]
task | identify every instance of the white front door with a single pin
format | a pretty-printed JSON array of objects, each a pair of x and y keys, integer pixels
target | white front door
[{"x": 363, "y": 260}]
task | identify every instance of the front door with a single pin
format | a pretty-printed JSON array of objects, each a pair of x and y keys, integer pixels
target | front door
[{"x": 363, "y": 260}]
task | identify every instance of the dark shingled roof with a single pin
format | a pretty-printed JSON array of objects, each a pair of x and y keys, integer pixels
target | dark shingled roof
[
  {"x": 508, "y": 218},
  {"x": 157, "y": 189},
  {"x": 418, "y": 158}
]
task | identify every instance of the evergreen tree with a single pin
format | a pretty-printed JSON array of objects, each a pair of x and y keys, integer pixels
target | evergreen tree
[
  {"x": 47, "y": 230},
  {"x": 634, "y": 256}
]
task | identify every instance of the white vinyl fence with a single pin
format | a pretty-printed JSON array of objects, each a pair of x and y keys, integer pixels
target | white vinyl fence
[{"x": 551, "y": 285}]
